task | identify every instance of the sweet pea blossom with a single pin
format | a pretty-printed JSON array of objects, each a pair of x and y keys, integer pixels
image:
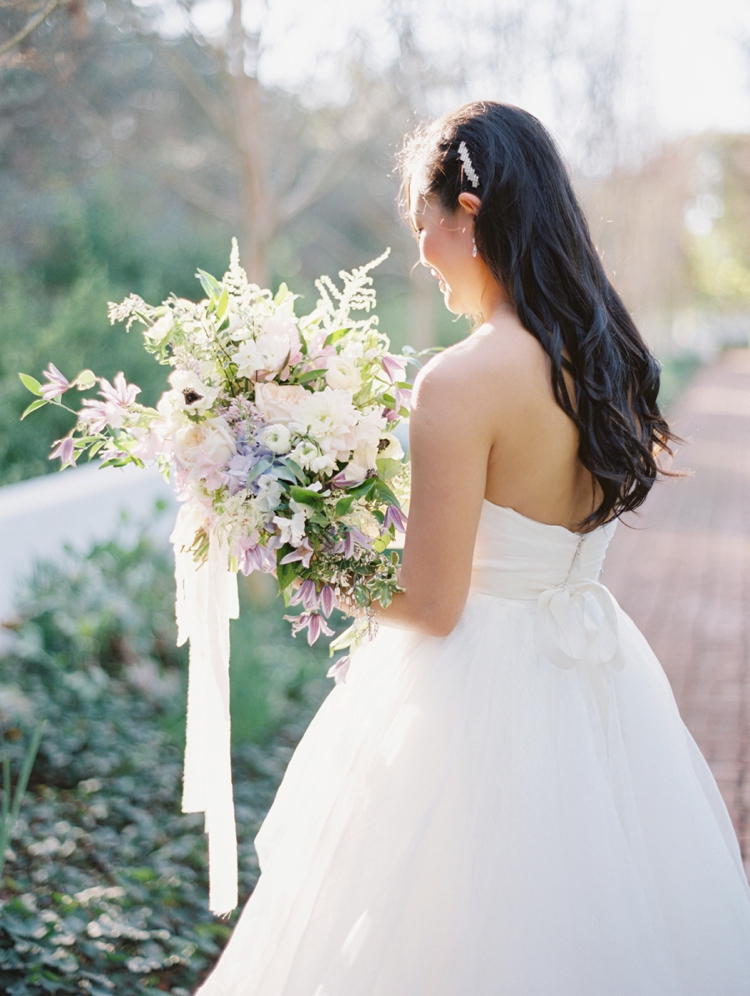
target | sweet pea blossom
[
  {"x": 58, "y": 384},
  {"x": 291, "y": 531}
]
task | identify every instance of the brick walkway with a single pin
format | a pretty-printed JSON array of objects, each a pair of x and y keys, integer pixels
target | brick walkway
[{"x": 683, "y": 574}]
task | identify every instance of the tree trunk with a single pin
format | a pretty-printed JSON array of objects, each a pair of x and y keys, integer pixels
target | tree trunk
[{"x": 255, "y": 224}]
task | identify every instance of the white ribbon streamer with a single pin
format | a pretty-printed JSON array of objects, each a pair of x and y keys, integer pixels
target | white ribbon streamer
[
  {"x": 206, "y": 601},
  {"x": 576, "y": 622}
]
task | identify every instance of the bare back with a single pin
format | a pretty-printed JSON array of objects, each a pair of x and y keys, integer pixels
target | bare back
[{"x": 533, "y": 465}]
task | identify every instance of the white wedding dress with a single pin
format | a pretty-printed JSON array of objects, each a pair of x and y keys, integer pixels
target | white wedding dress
[{"x": 515, "y": 809}]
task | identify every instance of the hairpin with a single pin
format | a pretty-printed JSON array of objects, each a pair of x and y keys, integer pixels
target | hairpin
[{"x": 469, "y": 170}]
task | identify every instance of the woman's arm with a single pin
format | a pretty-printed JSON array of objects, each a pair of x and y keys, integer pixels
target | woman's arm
[{"x": 450, "y": 441}]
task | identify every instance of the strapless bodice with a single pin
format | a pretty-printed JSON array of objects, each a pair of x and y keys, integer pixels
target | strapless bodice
[{"x": 520, "y": 558}]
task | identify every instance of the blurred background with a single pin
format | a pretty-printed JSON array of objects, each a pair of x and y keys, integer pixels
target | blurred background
[{"x": 136, "y": 138}]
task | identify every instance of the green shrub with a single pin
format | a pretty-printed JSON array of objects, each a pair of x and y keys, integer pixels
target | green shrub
[{"x": 105, "y": 887}]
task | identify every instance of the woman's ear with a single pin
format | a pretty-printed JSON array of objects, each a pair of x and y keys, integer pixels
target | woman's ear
[{"x": 470, "y": 203}]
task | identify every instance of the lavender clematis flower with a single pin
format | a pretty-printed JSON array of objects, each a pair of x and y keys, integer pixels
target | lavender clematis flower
[
  {"x": 393, "y": 367},
  {"x": 394, "y": 517},
  {"x": 65, "y": 450},
  {"x": 58, "y": 384},
  {"x": 306, "y": 594},
  {"x": 339, "y": 669},
  {"x": 303, "y": 553},
  {"x": 120, "y": 393},
  {"x": 353, "y": 536},
  {"x": 327, "y": 600}
]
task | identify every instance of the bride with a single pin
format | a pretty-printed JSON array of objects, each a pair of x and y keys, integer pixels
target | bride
[{"x": 501, "y": 798}]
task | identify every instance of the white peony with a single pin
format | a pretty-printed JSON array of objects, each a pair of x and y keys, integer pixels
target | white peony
[
  {"x": 343, "y": 375},
  {"x": 195, "y": 395},
  {"x": 277, "y": 344},
  {"x": 330, "y": 418},
  {"x": 211, "y": 438},
  {"x": 276, "y": 438},
  {"x": 278, "y": 402}
]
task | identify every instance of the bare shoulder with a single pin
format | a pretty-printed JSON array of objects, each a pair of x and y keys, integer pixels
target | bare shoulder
[{"x": 497, "y": 366}]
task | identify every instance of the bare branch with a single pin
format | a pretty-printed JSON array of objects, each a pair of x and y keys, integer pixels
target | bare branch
[
  {"x": 206, "y": 99},
  {"x": 34, "y": 23}
]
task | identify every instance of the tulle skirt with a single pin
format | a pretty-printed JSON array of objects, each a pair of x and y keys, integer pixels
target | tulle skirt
[{"x": 463, "y": 818}]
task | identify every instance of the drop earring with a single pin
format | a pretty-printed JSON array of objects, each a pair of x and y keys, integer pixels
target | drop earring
[{"x": 474, "y": 247}]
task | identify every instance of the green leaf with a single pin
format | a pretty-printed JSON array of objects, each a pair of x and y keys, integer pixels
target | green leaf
[
  {"x": 388, "y": 468},
  {"x": 362, "y": 490},
  {"x": 285, "y": 573},
  {"x": 343, "y": 505},
  {"x": 210, "y": 284},
  {"x": 335, "y": 336},
  {"x": 281, "y": 294},
  {"x": 310, "y": 375},
  {"x": 296, "y": 470},
  {"x": 306, "y": 497},
  {"x": 222, "y": 304},
  {"x": 285, "y": 474},
  {"x": 32, "y": 384},
  {"x": 39, "y": 403},
  {"x": 261, "y": 467},
  {"x": 381, "y": 490}
]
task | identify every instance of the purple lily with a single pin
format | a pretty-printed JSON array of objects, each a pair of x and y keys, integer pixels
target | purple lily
[
  {"x": 65, "y": 450},
  {"x": 58, "y": 384},
  {"x": 338, "y": 670},
  {"x": 394, "y": 517}
]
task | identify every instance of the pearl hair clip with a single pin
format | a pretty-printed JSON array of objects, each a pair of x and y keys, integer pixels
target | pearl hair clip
[{"x": 471, "y": 173}]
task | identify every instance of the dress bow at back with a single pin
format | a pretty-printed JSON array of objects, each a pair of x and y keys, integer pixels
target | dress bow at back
[{"x": 517, "y": 557}]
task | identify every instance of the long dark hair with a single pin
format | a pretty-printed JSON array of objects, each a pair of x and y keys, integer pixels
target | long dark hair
[{"x": 533, "y": 236}]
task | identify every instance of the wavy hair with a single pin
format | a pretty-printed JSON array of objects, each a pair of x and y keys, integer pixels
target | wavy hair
[{"x": 533, "y": 236}]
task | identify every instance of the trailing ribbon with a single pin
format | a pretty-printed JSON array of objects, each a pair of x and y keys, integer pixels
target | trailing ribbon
[
  {"x": 206, "y": 601},
  {"x": 575, "y": 623}
]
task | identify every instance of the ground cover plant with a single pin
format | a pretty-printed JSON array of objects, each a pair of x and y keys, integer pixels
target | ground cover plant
[{"x": 105, "y": 882}]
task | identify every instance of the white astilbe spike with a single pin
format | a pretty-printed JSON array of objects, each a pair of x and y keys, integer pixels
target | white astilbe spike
[{"x": 235, "y": 279}]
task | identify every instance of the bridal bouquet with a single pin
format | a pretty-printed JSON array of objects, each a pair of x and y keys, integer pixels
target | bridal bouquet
[{"x": 278, "y": 432}]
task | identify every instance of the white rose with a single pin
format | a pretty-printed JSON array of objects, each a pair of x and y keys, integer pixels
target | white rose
[
  {"x": 343, "y": 375},
  {"x": 212, "y": 438},
  {"x": 276, "y": 438},
  {"x": 196, "y": 395},
  {"x": 278, "y": 402}
]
